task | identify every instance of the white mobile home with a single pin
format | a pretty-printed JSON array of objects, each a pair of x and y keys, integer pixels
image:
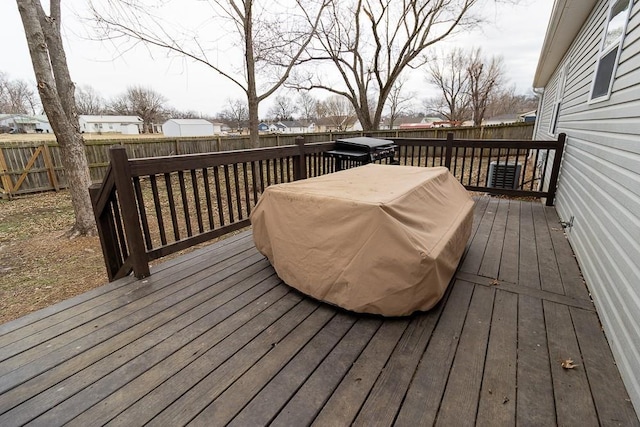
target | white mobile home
[
  {"x": 26, "y": 123},
  {"x": 588, "y": 77},
  {"x": 127, "y": 125},
  {"x": 188, "y": 127}
]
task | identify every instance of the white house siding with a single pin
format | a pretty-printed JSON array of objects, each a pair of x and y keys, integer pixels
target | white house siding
[
  {"x": 599, "y": 184},
  {"x": 109, "y": 124}
]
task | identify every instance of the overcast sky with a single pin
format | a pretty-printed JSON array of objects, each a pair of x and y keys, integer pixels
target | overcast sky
[{"x": 514, "y": 31}]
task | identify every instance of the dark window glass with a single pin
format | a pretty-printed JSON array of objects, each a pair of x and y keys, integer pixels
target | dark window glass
[
  {"x": 554, "y": 118},
  {"x": 604, "y": 74}
]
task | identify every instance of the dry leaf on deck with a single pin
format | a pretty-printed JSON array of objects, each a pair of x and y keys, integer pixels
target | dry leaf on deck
[
  {"x": 568, "y": 364},
  {"x": 495, "y": 282}
]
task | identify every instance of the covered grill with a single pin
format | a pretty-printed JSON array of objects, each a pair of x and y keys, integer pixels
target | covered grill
[{"x": 351, "y": 152}]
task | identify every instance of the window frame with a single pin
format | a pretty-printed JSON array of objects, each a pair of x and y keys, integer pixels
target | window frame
[
  {"x": 605, "y": 50},
  {"x": 559, "y": 95}
]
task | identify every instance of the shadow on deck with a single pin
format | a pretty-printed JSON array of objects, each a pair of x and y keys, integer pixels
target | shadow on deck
[{"x": 214, "y": 337}]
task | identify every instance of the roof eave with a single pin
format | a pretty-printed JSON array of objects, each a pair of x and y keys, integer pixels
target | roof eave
[{"x": 567, "y": 18}]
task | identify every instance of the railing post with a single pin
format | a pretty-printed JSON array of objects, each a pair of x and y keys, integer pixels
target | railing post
[
  {"x": 300, "y": 162},
  {"x": 448, "y": 150},
  {"x": 129, "y": 208},
  {"x": 555, "y": 170}
]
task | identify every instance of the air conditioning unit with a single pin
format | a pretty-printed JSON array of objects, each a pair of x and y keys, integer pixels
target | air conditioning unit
[{"x": 504, "y": 175}]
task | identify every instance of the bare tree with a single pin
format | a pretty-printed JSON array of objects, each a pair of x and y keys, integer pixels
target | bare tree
[
  {"x": 399, "y": 103},
  {"x": 449, "y": 74},
  {"x": 56, "y": 90},
  {"x": 272, "y": 37},
  {"x": 141, "y": 101},
  {"x": 337, "y": 111},
  {"x": 89, "y": 101},
  {"x": 307, "y": 106},
  {"x": 468, "y": 84},
  {"x": 4, "y": 93},
  {"x": 507, "y": 101},
  {"x": 485, "y": 77},
  {"x": 174, "y": 113},
  {"x": 371, "y": 42},
  {"x": 236, "y": 112},
  {"x": 283, "y": 108},
  {"x": 17, "y": 96}
]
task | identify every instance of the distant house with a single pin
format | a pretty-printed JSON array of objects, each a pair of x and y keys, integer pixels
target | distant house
[
  {"x": 503, "y": 119},
  {"x": 296, "y": 126},
  {"x": 188, "y": 127},
  {"x": 528, "y": 117},
  {"x": 398, "y": 122},
  {"x": 25, "y": 123},
  {"x": 218, "y": 128},
  {"x": 415, "y": 126},
  {"x": 126, "y": 125},
  {"x": 278, "y": 127},
  {"x": 589, "y": 83},
  {"x": 287, "y": 126},
  {"x": 270, "y": 127},
  {"x": 338, "y": 124},
  {"x": 432, "y": 119}
]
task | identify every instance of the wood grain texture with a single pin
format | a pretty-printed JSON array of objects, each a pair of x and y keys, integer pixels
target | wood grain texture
[
  {"x": 460, "y": 400},
  {"x": 215, "y": 337}
]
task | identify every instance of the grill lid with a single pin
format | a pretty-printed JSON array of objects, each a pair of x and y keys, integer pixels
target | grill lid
[{"x": 363, "y": 143}]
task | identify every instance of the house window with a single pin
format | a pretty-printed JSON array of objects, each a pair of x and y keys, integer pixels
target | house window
[
  {"x": 610, "y": 50},
  {"x": 555, "y": 113}
]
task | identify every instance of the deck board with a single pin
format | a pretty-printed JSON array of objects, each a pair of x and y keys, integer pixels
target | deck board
[
  {"x": 509, "y": 267},
  {"x": 460, "y": 401},
  {"x": 528, "y": 272},
  {"x": 346, "y": 401},
  {"x": 424, "y": 395},
  {"x": 497, "y": 406},
  {"x": 389, "y": 390},
  {"x": 574, "y": 404},
  {"x": 214, "y": 337}
]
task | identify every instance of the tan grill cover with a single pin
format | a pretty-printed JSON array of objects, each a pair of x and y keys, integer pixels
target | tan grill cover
[{"x": 376, "y": 239}]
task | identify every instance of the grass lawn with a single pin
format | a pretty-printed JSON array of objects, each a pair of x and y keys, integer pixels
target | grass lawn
[{"x": 38, "y": 265}]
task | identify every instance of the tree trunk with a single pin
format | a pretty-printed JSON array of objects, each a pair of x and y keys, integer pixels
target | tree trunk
[
  {"x": 252, "y": 94},
  {"x": 363, "y": 112},
  {"x": 56, "y": 92}
]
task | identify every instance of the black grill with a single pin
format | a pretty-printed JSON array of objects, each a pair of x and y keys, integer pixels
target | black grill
[{"x": 351, "y": 152}]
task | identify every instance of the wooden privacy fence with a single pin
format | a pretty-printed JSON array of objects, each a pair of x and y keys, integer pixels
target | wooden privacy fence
[
  {"x": 149, "y": 208},
  {"x": 37, "y": 172},
  {"x": 35, "y": 167}
]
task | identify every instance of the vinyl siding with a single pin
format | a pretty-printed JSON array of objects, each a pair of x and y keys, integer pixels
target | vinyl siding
[{"x": 599, "y": 183}]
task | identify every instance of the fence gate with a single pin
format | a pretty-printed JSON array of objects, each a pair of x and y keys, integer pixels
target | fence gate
[{"x": 39, "y": 171}]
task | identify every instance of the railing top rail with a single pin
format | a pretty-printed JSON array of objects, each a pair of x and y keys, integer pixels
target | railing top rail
[
  {"x": 479, "y": 143},
  {"x": 168, "y": 164}
]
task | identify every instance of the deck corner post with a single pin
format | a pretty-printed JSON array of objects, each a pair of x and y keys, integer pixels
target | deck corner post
[
  {"x": 129, "y": 208},
  {"x": 299, "y": 161},
  {"x": 448, "y": 150},
  {"x": 555, "y": 170},
  {"x": 106, "y": 233}
]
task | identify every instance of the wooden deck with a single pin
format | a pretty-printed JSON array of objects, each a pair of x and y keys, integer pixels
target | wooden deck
[{"x": 214, "y": 337}]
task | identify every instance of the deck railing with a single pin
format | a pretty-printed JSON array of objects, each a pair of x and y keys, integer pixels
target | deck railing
[
  {"x": 151, "y": 207},
  {"x": 518, "y": 168}
]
